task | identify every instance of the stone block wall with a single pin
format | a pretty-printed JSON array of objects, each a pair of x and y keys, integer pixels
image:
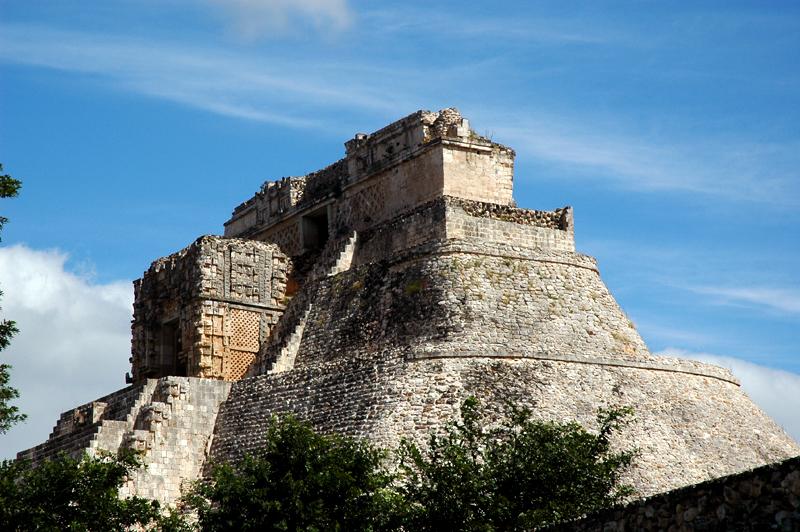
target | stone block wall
[
  {"x": 279, "y": 200},
  {"x": 459, "y": 298},
  {"x": 368, "y": 154},
  {"x": 765, "y": 498},
  {"x": 558, "y": 219},
  {"x": 683, "y": 426},
  {"x": 689, "y": 427},
  {"x": 243, "y": 220},
  {"x": 477, "y": 171},
  {"x": 413, "y": 228},
  {"x": 391, "y": 347},
  {"x": 387, "y": 193},
  {"x": 324, "y": 184},
  {"x": 476, "y": 223},
  {"x": 347, "y": 396},
  {"x": 173, "y": 433},
  {"x": 205, "y": 310},
  {"x": 529, "y": 229}
]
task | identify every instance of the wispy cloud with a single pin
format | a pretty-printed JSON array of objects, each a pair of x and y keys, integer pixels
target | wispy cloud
[
  {"x": 452, "y": 24},
  {"x": 652, "y": 330},
  {"x": 315, "y": 92},
  {"x": 782, "y": 300},
  {"x": 748, "y": 171},
  {"x": 744, "y": 277},
  {"x": 254, "y": 19},
  {"x": 266, "y": 89},
  {"x": 774, "y": 390}
]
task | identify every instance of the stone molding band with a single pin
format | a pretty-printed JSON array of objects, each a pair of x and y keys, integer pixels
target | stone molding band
[
  {"x": 715, "y": 373},
  {"x": 243, "y": 304},
  {"x": 454, "y": 246},
  {"x": 501, "y": 255}
]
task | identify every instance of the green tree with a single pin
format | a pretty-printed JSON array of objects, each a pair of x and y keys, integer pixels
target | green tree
[
  {"x": 9, "y": 415},
  {"x": 518, "y": 475},
  {"x": 69, "y": 494},
  {"x": 9, "y": 188},
  {"x": 300, "y": 480}
]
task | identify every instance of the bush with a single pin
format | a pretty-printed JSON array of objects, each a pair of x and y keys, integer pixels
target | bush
[
  {"x": 300, "y": 480},
  {"x": 69, "y": 494},
  {"x": 518, "y": 475}
]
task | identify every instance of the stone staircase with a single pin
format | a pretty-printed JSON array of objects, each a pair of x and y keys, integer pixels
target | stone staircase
[
  {"x": 168, "y": 421},
  {"x": 344, "y": 259},
  {"x": 77, "y": 431},
  {"x": 280, "y": 353},
  {"x": 285, "y": 359},
  {"x": 111, "y": 433},
  {"x": 172, "y": 433}
]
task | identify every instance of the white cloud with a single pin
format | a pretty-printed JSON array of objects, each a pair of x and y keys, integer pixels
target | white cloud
[
  {"x": 782, "y": 300},
  {"x": 253, "y": 19},
  {"x": 776, "y": 391},
  {"x": 74, "y": 339}
]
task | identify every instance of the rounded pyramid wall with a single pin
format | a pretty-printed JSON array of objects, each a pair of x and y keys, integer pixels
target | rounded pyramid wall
[{"x": 391, "y": 348}]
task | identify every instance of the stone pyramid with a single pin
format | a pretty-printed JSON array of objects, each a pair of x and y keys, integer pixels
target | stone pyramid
[{"x": 373, "y": 296}]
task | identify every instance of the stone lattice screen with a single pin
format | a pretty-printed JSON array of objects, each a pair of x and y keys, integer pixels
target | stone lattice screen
[{"x": 244, "y": 328}]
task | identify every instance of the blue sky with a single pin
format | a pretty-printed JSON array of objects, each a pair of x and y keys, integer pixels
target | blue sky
[{"x": 670, "y": 127}]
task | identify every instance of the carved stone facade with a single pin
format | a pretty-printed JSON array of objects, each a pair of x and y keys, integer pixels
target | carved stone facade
[
  {"x": 373, "y": 296},
  {"x": 206, "y": 310}
]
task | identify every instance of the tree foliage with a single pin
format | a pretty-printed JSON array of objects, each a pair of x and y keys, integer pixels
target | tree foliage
[
  {"x": 519, "y": 474},
  {"x": 69, "y": 494},
  {"x": 300, "y": 480},
  {"x": 9, "y": 414},
  {"x": 9, "y": 188},
  {"x": 515, "y": 474}
]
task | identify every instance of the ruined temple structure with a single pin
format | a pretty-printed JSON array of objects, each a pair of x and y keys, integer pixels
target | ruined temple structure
[{"x": 372, "y": 296}]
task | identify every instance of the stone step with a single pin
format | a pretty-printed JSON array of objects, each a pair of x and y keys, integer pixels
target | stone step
[
  {"x": 345, "y": 257},
  {"x": 112, "y": 432},
  {"x": 280, "y": 355},
  {"x": 288, "y": 353}
]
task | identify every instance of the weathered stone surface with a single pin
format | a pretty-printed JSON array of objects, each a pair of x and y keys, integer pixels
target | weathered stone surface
[
  {"x": 390, "y": 349},
  {"x": 419, "y": 158},
  {"x": 170, "y": 421},
  {"x": 173, "y": 431}
]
